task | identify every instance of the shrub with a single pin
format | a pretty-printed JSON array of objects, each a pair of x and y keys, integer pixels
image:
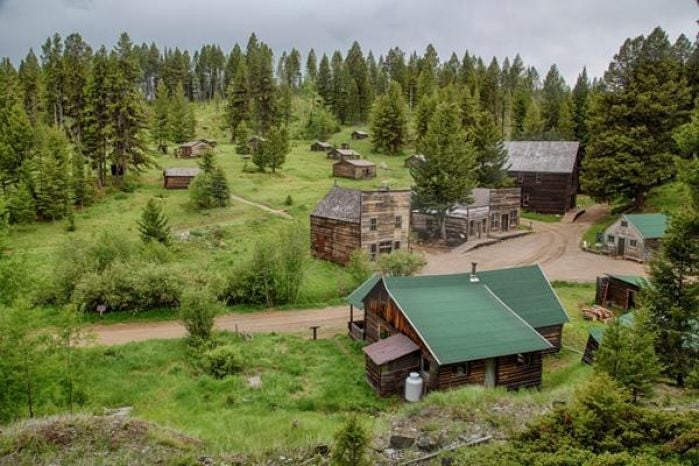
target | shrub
[
  {"x": 289, "y": 201},
  {"x": 351, "y": 444},
  {"x": 223, "y": 361},
  {"x": 197, "y": 311},
  {"x": 321, "y": 124},
  {"x": 359, "y": 267},
  {"x": 401, "y": 263}
]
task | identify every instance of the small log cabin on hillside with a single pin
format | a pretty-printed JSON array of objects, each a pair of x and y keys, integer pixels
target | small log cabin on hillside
[
  {"x": 320, "y": 146},
  {"x": 619, "y": 290},
  {"x": 488, "y": 328},
  {"x": 193, "y": 148},
  {"x": 547, "y": 172},
  {"x": 635, "y": 236},
  {"x": 355, "y": 169},
  {"x": 179, "y": 178},
  {"x": 490, "y": 211},
  {"x": 377, "y": 222},
  {"x": 344, "y": 154},
  {"x": 359, "y": 134}
]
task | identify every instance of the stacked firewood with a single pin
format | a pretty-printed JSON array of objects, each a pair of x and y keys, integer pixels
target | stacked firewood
[{"x": 596, "y": 313}]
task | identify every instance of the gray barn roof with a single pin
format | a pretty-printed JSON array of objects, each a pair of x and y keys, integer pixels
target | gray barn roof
[
  {"x": 357, "y": 162},
  {"x": 340, "y": 204},
  {"x": 181, "y": 172},
  {"x": 542, "y": 156}
]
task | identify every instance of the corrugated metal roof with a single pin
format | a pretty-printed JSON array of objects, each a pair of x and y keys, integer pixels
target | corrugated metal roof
[
  {"x": 650, "y": 226},
  {"x": 542, "y": 156},
  {"x": 340, "y": 204},
  {"x": 181, "y": 172},
  {"x": 389, "y": 349},
  {"x": 462, "y": 321},
  {"x": 357, "y": 296}
]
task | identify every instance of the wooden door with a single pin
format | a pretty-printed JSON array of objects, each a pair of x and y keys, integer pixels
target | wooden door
[
  {"x": 505, "y": 222},
  {"x": 621, "y": 246},
  {"x": 490, "y": 373}
]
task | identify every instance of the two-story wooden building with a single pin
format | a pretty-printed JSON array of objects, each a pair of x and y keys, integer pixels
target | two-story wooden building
[
  {"x": 547, "y": 172},
  {"x": 377, "y": 222},
  {"x": 634, "y": 236},
  {"x": 489, "y": 328}
]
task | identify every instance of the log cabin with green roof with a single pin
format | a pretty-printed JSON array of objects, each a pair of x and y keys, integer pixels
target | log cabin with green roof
[
  {"x": 635, "y": 236},
  {"x": 489, "y": 328},
  {"x": 619, "y": 291}
]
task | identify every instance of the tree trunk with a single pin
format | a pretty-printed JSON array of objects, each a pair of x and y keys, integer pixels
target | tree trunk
[
  {"x": 442, "y": 219},
  {"x": 640, "y": 199}
]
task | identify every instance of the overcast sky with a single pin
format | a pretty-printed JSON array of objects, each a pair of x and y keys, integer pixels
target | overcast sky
[{"x": 570, "y": 33}]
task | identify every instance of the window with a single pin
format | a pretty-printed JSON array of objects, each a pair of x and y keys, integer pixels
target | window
[
  {"x": 385, "y": 247},
  {"x": 396, "y": 245},
  {"x": 399, "y": 221},
  {"x": 520, "y": 178},
  {"x": 633, "y": 243},
  {"x": 539, "y": 176},
  {"x": 524, "y": 359},
  {"x": 610, "y": 238},
  {"x": 372, "y": 249},
  {"x": 383, "y": 332},
  {"x": 373, "y": 223},
  {"x": 461, "y": 370},
  {"x": 624, "y": 223},
  {"x": 494, "y": 221},
  {"x": 425, "y": 364},
  {"x": 513, "y": 217},
  {"x": 525, "y": 199}
]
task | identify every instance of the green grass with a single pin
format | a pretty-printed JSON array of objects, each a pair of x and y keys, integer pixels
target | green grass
[
  {"x": 590, "y": 235},
  {"x": 547, "y": 218}
]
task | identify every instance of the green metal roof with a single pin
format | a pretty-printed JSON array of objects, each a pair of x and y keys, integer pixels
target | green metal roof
[
  {"x": 527, "y": 291},
  {"x": 356, "y": 297},
  {"x": 626, "y": 320},
  {"x": 461, "y": 321},
  {"x": 635, "y": 280},
  {"x": 650, "y": 226}
]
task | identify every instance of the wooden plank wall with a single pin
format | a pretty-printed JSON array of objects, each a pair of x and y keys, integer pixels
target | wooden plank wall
[
  {"x": 514, "y": 376},
  {"x": 450, "y": 377},
  {"x": 177, "y": 182},
  {"x": 346, "y": 170},
  {"x": 504, "y": 201},
  {"x": 392, "y": 375},
  {"x": 554, "y": 335},
  {"x": 385, "y": 206},
  {"x": 550, "y": 196},
  {"x": 590, "y": 350},
  {"x": 334, "y": 240}
]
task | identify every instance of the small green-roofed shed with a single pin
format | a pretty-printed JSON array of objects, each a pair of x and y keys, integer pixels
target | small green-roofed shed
[
  {"x": 461, "y": 321},
  {"x": 650, "y": 226},
  {"x": 635, "y": 280}
]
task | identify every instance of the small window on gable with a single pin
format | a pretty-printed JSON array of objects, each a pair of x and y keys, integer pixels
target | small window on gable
[
  {"x": 399, "y": 221},
  {"x": 633, "y": 243},
  {"x": 524, "y": 359},
  {"x": 624, "y": 223},
  {"x": 373, "y": 224},
  {"x": 539, "y": 177}
]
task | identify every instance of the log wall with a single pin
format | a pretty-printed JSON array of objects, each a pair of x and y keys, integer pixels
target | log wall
[
  {"x": 390, "y": 377},
  {"x": 555, "y": 193},
  {"x": 513, "y": 375},
  {"x": 334, "y": 240},
  {"x": 177, "y": 182},
  {"x": 553, "y": 334},
  {"x": 347, "y": 170}
]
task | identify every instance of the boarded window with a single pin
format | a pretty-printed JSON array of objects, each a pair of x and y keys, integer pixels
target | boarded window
[
  {"x": 373, "y": 223},
  {"x": 396, "y": 245},
  {"x": 425, "y": 364},
  {"x": 513, "y": 217},
  {"x": 399, "y": 221},
  {"x": 524, "y": 360}
]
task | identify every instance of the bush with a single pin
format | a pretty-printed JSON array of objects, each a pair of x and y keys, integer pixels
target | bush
[
  {"x": 359, "y": 267},
  {"x": 223, "y": 361},
  {"x": 197, "y": 311},
  {"x": 401, "y": 263},
  {"x": 321, "y": 124},
  {"x": 351, "y": 444}
]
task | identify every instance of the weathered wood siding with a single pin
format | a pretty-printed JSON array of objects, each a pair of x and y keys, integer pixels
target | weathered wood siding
[
  {"x": 504, "y": 202},
  {"x": 617, "y": 292},
  {"x": 389, "y": 378},
  {"x": 590, "y": 350},
  {"x": 347, "y": 170},
  {"x": 513, "y": 375},
  {"x": 177, "y": 182},
  {"x": 334, "y": 240},
  {"x": 642, "y": 250},
  {"x": 549, "y": 193},
  {"x": 554, "y": 335},
  {"x": 384, "y": 207},
  {"x": 456, "y": 375}
]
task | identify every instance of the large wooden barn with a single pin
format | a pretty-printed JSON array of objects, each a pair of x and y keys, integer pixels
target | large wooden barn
[
  {"x": 179, "y": 178},
  {"x": 635, "y": 236},
  {"x": 193, "y": 148},
  {"x": 490, "y": 211},
  {"x": 377, "y": 222},
  {"x": 547, "y": 172},
  {"x": 619, "y": 290},
  {"x": 488, "y": 328},
  {"x": 354, "y": 168}
]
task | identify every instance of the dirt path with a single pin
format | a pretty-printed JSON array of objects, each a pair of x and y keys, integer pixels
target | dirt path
[
  {"x": 331, "y": 321},
  {"x": 555, "y": 246},
  {"x": 280, "y": 213}
]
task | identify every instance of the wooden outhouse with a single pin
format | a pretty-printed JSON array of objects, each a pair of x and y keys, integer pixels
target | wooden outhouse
[
  {"x": 359, "y": 134},
  {"x": 619, "y": 290},
  {"x": 193, "y": 148},
  {"x": 343, "y": 154},
  {"x": 377, "y": 222},
  {"x": 354, "y": 168},
  {"x": 547, "y": 172},
  {"x": 634, "y": 236},
  {"x": 178, "y": 178},
  {"x": 489, "y": 328},
  {"x": 320, "y": 146}
]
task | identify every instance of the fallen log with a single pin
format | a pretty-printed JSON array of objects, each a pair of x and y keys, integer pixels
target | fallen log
[{"x": 474, "y": 442}]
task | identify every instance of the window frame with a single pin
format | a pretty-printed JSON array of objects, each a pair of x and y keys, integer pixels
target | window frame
[
  {"x": 373, "y": 224},
  {"x": 524, "y": 359},
  {"x": 538, "y": 177},
  {"x": 398, "y": 222}
]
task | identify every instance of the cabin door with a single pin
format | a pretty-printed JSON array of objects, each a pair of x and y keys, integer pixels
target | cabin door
[
  {"x": 490, "y": 374},
  {"x": 621, "y": 246},
  {"x": 630, "y": 299},
  {"x": 505, "y": 222}
]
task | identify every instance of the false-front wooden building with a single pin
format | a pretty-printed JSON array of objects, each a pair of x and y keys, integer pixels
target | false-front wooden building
[
  {"x": 377, "y": 222},
  {"x": 547, "y": 172},
  {"x": 359, "y": 134},
  {"x": 489, "y": 328},
  {"x": 354, "y": 168},
  {"x": 320, "y": 146},
  {"x": 619, "y": 290},
  {"x": 193, "y": 148},
  {"x": 343, "y": 154},
  {"x": 490, "y": 211},
  {"x": 178, "y": 178},
  {"x": 634, "y": 236}
]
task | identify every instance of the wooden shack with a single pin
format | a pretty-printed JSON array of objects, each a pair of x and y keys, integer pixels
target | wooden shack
[
  {"x": 619, "y": 290},
  {"x": 354, "y": 168},
  {"x": 415, "y": 160},
  {"x": 594, "y": 339},
  {"x": 491, "y": 210},
  {"x": 193, "y": 148},
  {"x": 343, "y": 154},
  {"x": 634, "y": 236},
  {"x": 320, "y": 146},
  {"x": 211, "y": 142},
  {"x": 359, "y": 134},
  {"x": 486, "y": 329},
  {"x": 178, "y": 178},
  {"x": 547, "y": 172},
  {"x": 377, "y": 222}
]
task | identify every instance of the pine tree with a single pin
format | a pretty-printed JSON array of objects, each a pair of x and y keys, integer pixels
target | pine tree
[
  {"x": 81, "y": 186},
  {"x": 181, "y": 118},
  {"x": 16, "y": 135},
  {"x": 276, "y": 147},
  {"x": 238, "y": 103},
  {"x": 220, "y": 192},
  {"x": 490, "y": 153},
  {"x": 264, "y": 91},
  {"x": 311, "y": 66},
  {"x": 31, "y": 80},
  {"x": 581, "y": 104},
  {"x": 687, "y": 135},
  {"x": 324, "y": 84},
  {"x": 160, "y": 126},
  {"x": 339, "y": 95},
  {"x": 553, "y": 94},
  {"x": 423, "y": 115},
  {"x": 51, "y": 175},
  {"x": 153, "y": 225},
  {"x": 96, "y": 118},
  {"x": 351, "y": 444},
  {"x": 533, "y": 122},
  {"x": 566, "y": 126},
  {"x": 235, "y": 58},
  {"x": 21, "y": 206},
  {"x": 446, "y": 177},
  {"x": 358, "y": 83},
  {"x": 242, "y": 147},
  {"x": 54, "y": 77},
  {"x": 77, "y": 55},
  {"x": 469, "y": 111},
  {"x": 389, "y": 121}
]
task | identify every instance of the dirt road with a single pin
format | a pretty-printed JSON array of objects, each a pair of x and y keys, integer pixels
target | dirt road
[
  {"x": 555, "y": 246},
  {"x": 331, "y": 321}
]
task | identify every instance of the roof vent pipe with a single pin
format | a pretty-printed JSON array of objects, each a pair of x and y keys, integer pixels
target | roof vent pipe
[{"x": 474, "y": 278}]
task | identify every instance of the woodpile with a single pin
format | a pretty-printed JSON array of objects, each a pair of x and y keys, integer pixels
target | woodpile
[{"x": 597, "y": 313}]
